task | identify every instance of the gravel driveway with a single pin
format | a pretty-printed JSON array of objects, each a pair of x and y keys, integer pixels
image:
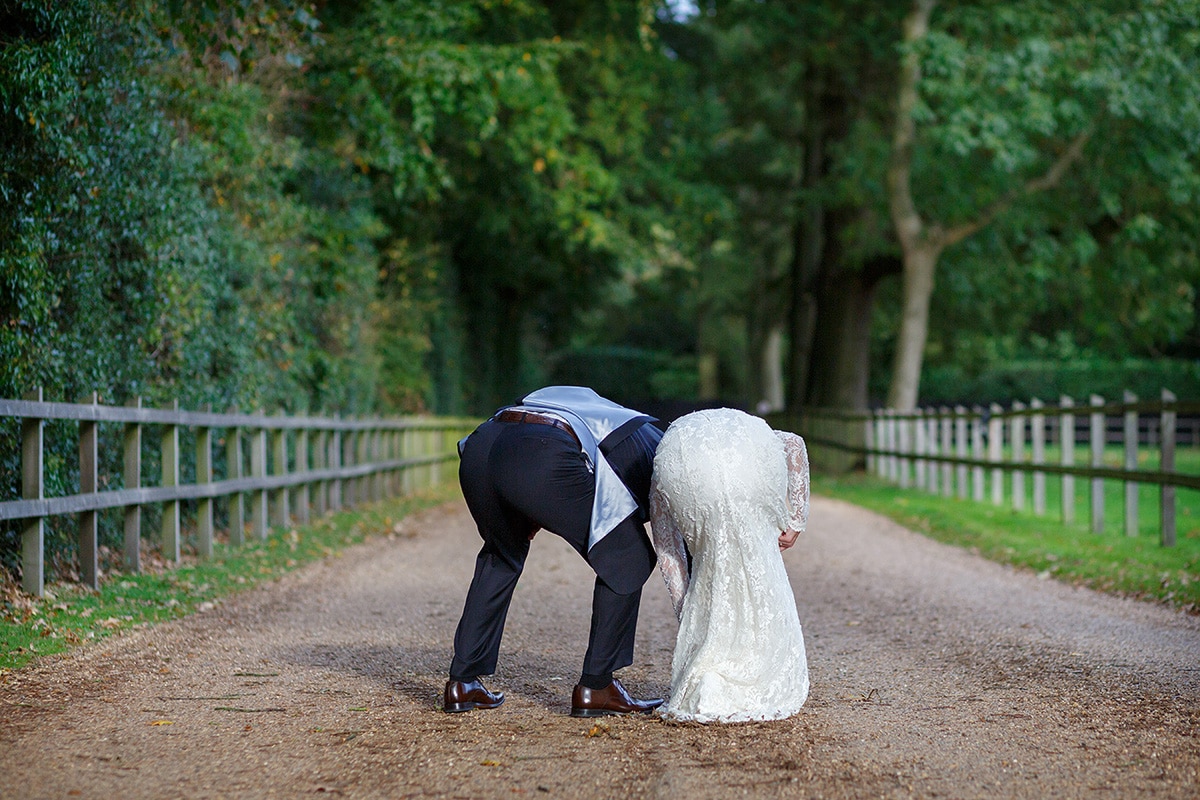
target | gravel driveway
[{"x": 934, "y": 674}]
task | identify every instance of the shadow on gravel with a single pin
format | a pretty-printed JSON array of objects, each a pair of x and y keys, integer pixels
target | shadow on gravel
[{"x": 420, "y": 673}]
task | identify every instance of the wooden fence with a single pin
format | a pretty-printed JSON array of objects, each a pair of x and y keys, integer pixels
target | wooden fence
[
  {"x": 967, "y": 452},
  {"x": 277, "y": 469}
]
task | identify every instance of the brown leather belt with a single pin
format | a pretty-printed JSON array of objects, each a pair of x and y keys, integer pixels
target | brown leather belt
[{"x": 515, "y": 415}]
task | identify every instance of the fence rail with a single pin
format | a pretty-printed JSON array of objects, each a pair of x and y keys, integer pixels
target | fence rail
[
  {"x": 285, "y": 467},
  {"x": 959, "y": 451}
]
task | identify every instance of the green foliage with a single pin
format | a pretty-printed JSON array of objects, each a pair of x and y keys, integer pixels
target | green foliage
[
  {"x": 627, "y": 374},
  {"x": 454, "y": 113},
  {"x": 1078, "y": 378},
  {"x": 1106, "y": 259},
  {"x": 386, "y": 205},
  {"x": 512, "y": 149},
  {"x": 165, "y": 234},
  {"x": 163, "y": 241},
  {"x": 803, "y": 91}
]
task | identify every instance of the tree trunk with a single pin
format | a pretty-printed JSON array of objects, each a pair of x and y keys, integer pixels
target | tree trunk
[
  {"x": 842, "y": 346},
  {"x": 823, "y": 119},
  {"x": 803, "y": 317},
  {"x": 921, "y": 254},
  {"x": 834, "y": 344},
  {"x": 920, "y": 249},
  {"x": 922, "y": 242},
  {"x": 770, "y": 380},
  {"x": 507, "y": 349},
  {"x": 919, "y": 266},
  {"x": 708, "y": 359}
]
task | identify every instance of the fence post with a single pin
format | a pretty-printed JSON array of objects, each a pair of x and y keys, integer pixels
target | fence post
[
  {"x": 906, "y": 445},
  {"x": 350, "y": 486},
  {"x": 932, "y": 448},
  {"x": 233, "y": 471},
  {"x": 204, "y": 475},
  {"x": 346, "y": 458},
  {"x": 399, "y": 453},
  {"x": 133, "y": 480},
  {"x": 1017, "y": 441},
  {"x": 1038, "y": 433},
  {"x": 376, "y": 451},
  {"x": 302, "y": 491},
  {"x": 977, "y": 453},
  {"x": 920, "y": 447},
  {"x": 396, "y": 452},
  {"x": 386, "y": 450},
  {"x": 409, "y": 482},
  {"x": 1167, "y": 464},
  {"x": 1131, "y": 463},
  {"x": 89, "y": 566},
  {"x": 995, "y": 452},
  {"x": 960, "y": 449},
  {"x": 422, "y": 471},
  {"x": 893, "y": 442},
  {"x": 33, "y": 487},
  {"x": 1097, "y": 442},
  {"x": 335, "y": 462},
  {"x": 320, "y": 494},
  {"x": 258, "y": 469},
  {"x": 439, "y": 441},
  {"x": 1066, "y": 442},
  {"x": 170, "y": 477},
  {"x": 947, "y": 448},
  {"x": 881, "y": 438},
  {"x": 279, "y": 459},
  {"x": 362, "y": 489},
  {"x": 349, "y": 459},
  {"x": 385, "y": 454},
  {"x": 869, "y": 441},
  {"x": 376, "y": 455}
]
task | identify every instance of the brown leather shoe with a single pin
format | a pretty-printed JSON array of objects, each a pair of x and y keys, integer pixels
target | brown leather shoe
[
  {"x": 612, "y": 699},
  {"x": 468, "y": 695}
]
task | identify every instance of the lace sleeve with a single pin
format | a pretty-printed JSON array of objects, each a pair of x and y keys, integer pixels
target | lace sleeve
[
  {"x": 668, "y": 544},
  {"x": 797, "y": 462}
]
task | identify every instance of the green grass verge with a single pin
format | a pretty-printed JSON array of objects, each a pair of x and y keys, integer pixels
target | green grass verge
[
  {"x": 1136, "y": 566},
  {"x": 69, "y": 614}
]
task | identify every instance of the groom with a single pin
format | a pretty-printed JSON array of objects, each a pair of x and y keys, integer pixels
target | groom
[{"x": 570, "y": 461}]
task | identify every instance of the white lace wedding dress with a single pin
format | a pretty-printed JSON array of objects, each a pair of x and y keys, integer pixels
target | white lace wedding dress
[{"x": 727, "y": 485}]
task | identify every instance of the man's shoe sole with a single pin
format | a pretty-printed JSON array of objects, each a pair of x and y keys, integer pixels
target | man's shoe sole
[
  {"x": 604, "y": 712},
  {"x": 458, "y": 708}
]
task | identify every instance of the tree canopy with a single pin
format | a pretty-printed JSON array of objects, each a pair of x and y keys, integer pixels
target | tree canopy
[{"x": 382, "y": 205}]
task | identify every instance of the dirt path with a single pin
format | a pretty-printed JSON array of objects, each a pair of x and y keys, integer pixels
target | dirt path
[{"x": 934, "y": 674}]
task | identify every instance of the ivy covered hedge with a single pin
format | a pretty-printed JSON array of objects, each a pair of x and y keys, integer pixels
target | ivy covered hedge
[
  {"x": 370, "y": 206},
  {"x": 172, "y": 228},
  {"x": 166, "y": 230}
]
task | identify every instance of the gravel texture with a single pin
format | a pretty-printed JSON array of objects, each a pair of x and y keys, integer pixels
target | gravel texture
[{"x": 934, "y": 673}]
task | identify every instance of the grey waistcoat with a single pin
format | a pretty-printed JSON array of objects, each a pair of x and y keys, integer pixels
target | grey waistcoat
[{"x": 593, "y": 418}]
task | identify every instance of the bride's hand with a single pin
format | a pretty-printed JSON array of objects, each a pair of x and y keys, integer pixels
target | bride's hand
[{"x": 788, "y": 538}]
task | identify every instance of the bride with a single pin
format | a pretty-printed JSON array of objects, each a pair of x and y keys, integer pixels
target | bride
[{"x": 731, "y": 493}]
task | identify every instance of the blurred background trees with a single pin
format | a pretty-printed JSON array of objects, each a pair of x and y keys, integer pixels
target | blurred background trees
[{"x": 389, "y": 206}]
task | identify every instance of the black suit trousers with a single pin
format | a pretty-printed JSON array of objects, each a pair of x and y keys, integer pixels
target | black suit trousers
[{"x": 516, "y": 478}]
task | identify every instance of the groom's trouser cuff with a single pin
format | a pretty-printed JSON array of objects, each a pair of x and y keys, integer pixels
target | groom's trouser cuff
[
  {"x": 614, "y": 626},
  {"x": 477, "y": 639}
]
